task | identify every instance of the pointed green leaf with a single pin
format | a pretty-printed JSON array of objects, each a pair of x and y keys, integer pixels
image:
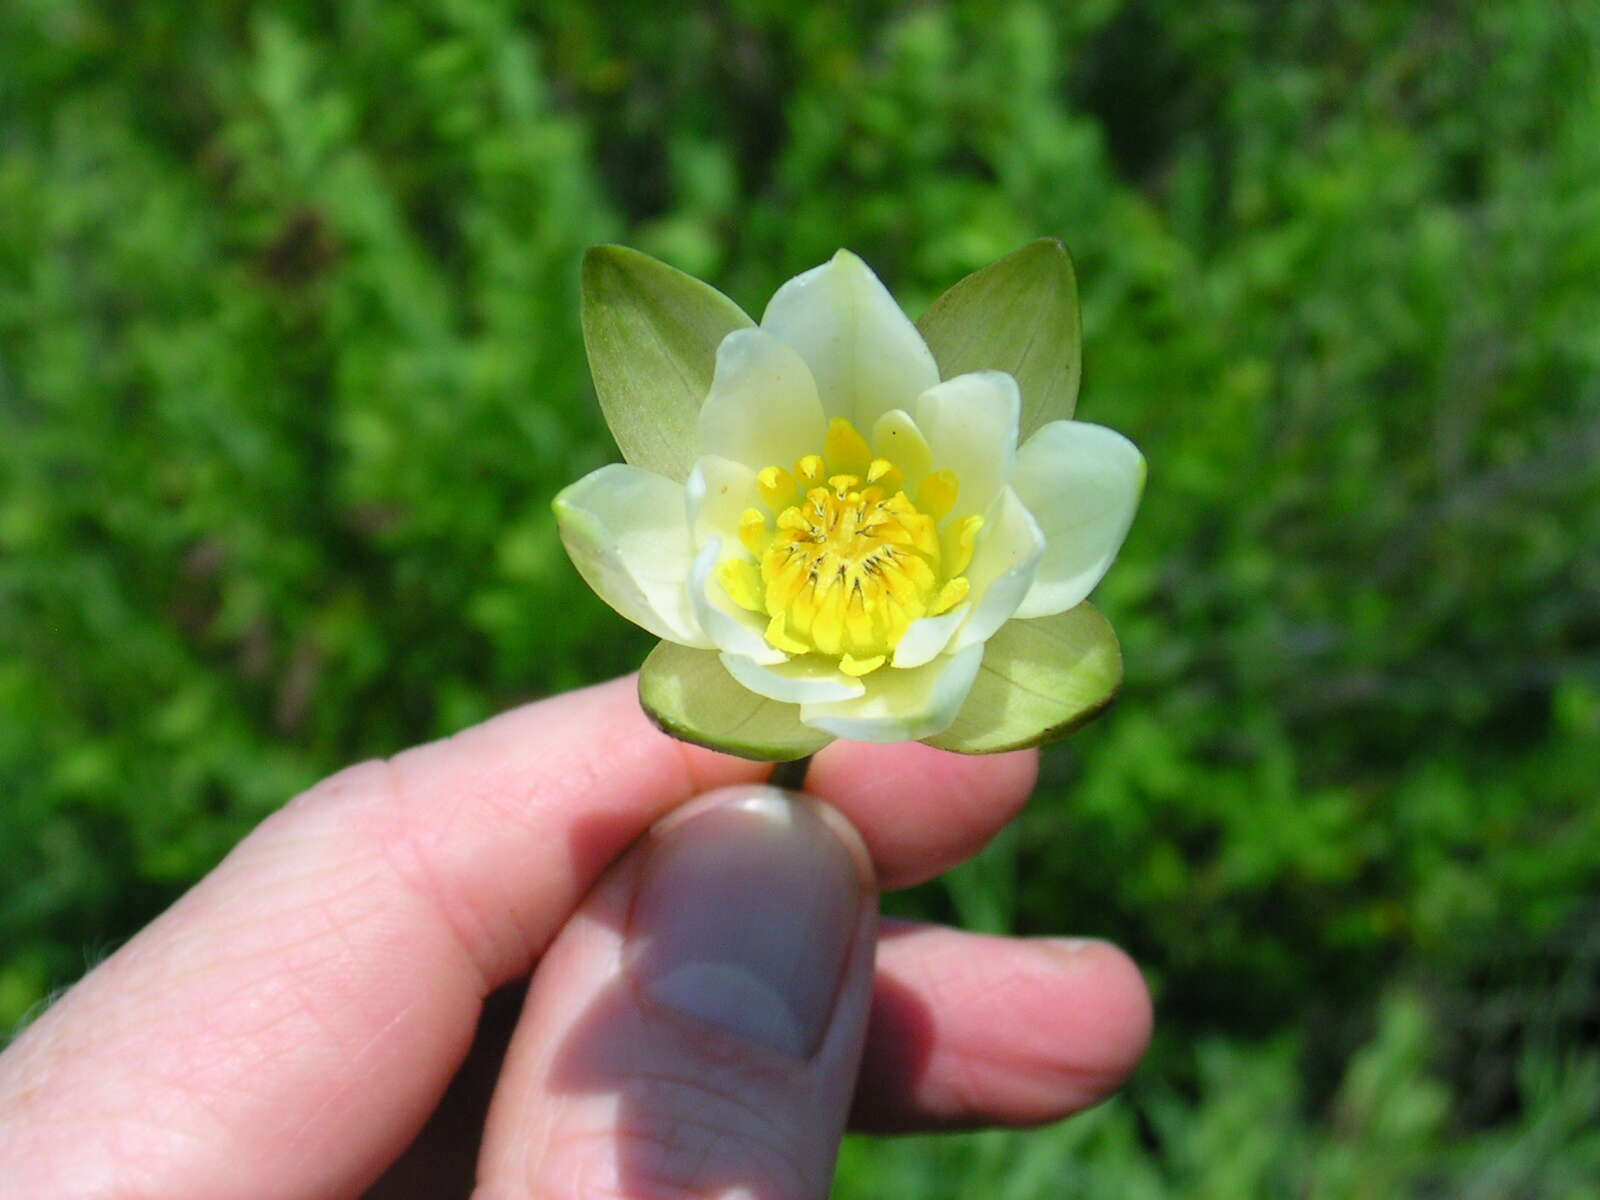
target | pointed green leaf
[
  {"x": 652, "y": 334},
  {"x": 1040, "y": 680},
  {"x": 1018, "y": 315},
  {"x": 690, "y": 694}
]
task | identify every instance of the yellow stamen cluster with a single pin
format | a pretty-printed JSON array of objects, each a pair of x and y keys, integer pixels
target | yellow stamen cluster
[{"x": 844, "y": 561}]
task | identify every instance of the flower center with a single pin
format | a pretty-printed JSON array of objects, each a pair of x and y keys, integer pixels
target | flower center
[{"x": 849, "y": 562}]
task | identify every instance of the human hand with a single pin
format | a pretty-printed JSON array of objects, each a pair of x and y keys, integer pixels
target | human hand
[{"x": 287, "y": 1027}]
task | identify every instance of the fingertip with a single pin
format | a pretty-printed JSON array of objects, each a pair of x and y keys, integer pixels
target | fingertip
[
  {"x": 922, "y": 810},
  {"x": 1112, "y": 1018},
  {"x": 971, "y": 1029},
  {"x": 711, "y": 769},
  {"x": 696, "y": 1026}
]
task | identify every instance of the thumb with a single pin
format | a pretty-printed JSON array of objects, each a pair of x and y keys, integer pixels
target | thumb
[{"x": 696, "y": 1028}]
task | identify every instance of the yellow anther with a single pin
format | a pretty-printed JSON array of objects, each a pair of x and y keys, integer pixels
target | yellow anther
[
  {"x": 897, "y": 619},
  {"x": 778, "y": 635},
  {"x": 827, "y": 626},
  {"x": 937, "y": 495},
  {"x": 802, "y": 605},
  {"x": 777, "y": 488},
  {"x": 919, "y": 572},
  {"x": 850, "y": 562},
  {"x": 900, "y": 587},
  {"x": 858, "y": 667},
  {"x": 951, "y": 594},
  {"x": 959, "y": 541},
  {"x": 753, "y": 531},
  {"x": 859, "y": 610},
  {"x": 924, "y": 533},
  {"x": 885, "y": 472},
  {"x": 742, "y": 581},
  {"x": 786, "y": 579},
  {"x": 845, "y": 448}
]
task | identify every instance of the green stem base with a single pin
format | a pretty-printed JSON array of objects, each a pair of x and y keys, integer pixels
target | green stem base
[{"x": 791, "y": 775}]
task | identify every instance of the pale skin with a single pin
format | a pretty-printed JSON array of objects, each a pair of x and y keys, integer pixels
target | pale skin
[{"x": 289, "y": 1026}]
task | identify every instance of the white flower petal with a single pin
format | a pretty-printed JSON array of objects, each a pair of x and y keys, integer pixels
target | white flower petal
[
  {"x": 897, "y": 438},
  {"x": 762, "y": 409},
  {"x": 627, "y": 534},
  {"x": 971, "y": 426},
  {"x": 1008, "y": 552},
  {"x": 731, "y": 629},
  {"x": 927, "y": 637},
  {"x": 901, "y": 705},
  {"x": 1082, "y": 484},
  {"x": 798, "y": 681},
  {"x": 718, "y": 492},
  {"x": 865, "y": 354}
]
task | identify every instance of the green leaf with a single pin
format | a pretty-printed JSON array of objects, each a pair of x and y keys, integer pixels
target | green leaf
[
  {"x": 1019, "y": 315},
  {"x": 690, "y": 694},
  {"x": 652, "y": 334},
  {"x": 1040, "y": 680}
]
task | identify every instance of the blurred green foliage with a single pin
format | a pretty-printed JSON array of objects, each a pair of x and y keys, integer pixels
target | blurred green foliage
[{"x": 289, "y": 370}]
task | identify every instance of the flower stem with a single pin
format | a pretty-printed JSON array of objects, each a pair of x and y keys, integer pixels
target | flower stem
[{"x": 791, "y": 775}]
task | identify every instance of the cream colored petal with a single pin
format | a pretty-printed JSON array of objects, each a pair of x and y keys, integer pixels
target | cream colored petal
[
  {"x": 971, "y": 426},
  {"x": 901, "y": 706},
  {"x": 1002, "y": 570},
  {"x": 731, "y": 629},
  {"x": 762, "y": 409},
  {"x": 718, "y": 492},
  {"x": 629, "y": 538},
  {"x": 865, "y": 354},
  {"x": 798, "y": 681},
  {"x": 1082, "y": 484},
  {"x": 928, "y": 636},
  {"x": 896, "y": 437}
]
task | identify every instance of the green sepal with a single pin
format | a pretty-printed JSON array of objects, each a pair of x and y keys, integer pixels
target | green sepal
[
  {"x": 652, "y": 334},
  {"x": 1040, "y": 680},
  {"x": 690, "y": 695},
  {"x": 1019, "y": 315}
]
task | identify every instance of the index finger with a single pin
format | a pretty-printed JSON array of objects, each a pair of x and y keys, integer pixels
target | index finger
[{"x": 294, "y": 1018}]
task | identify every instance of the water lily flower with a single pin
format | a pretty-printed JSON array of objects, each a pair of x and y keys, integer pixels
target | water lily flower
[{"x": 842, "y": 524}]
